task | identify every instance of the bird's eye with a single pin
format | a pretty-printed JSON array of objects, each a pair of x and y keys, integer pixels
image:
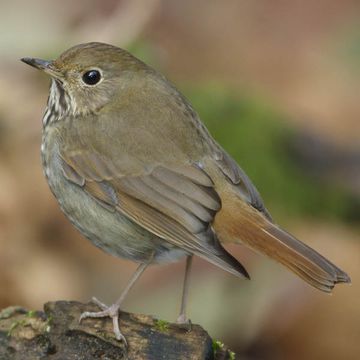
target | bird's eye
[{"x": 91, "y": 77}]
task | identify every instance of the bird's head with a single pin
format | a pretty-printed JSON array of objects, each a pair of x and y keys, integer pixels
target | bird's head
[{"x": 87, "y": 76}]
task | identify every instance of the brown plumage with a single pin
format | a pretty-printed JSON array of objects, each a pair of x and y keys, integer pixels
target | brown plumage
[
  {"x": 137, "y": 172},
  {"x": 262, "y": 235}
]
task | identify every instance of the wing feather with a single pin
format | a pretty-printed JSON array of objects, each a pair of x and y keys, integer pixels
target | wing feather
[{"x": 176, "y": 204}]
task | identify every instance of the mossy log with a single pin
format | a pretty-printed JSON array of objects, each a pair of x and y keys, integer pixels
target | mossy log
[{"x": 56, "y": 333}]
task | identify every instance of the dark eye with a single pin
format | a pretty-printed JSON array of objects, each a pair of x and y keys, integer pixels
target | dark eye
[{"x": 91, "y": 77}]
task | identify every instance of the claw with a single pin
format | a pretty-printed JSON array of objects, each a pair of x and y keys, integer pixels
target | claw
[
  {"x": 118, "y": 335},
  {"x": 110, "y": 311},
  {"x": 182, "y": 319},
  {"x": 184, "y": 322},
  {"x": 114, "y": 310}
]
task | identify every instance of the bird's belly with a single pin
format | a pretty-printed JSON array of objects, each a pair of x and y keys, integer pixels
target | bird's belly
[{"x": 113, "y": 232}]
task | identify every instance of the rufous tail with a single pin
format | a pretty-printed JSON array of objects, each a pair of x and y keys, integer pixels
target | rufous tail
[{"x": 240, "y": 223}]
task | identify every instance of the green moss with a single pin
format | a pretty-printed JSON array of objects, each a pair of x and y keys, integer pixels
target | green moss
[
  {"x": 31, "y": 314},
  {"x": 217, "y": 345},
  {"x": 161, "y": 325},
  {"x": 49, "y": 322},
  {"x": 49, "y": 319},
  {"x": 10, "y": 311},
  {"x": 23, "y": 322},
  {"x": 32, "y": 319},
  {"x": 15, "y": 325}
]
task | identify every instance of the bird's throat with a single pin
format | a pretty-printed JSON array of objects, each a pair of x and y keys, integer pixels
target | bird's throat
[{"x": 58, "y": 105}]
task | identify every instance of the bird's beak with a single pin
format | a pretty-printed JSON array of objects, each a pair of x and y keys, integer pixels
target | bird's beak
[{"x": 44, "y": 65}]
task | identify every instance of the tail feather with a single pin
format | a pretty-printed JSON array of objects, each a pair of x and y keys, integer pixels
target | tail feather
[
  {"x": 249, "y": 227},
  {"x": 303, "y": 260}
]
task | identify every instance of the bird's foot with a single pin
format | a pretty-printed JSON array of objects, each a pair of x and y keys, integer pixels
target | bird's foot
[
  {"x": 184, "y": 322},
  {"x": 107, "y": 311}
]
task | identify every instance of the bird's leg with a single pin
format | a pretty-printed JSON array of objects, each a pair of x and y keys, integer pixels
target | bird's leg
[
  {"x": 182, "y": 319},
  {"x": 113, "y": 310}
]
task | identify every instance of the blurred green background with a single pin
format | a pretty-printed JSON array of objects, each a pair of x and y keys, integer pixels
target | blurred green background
[{"x": 277, "y": 83}]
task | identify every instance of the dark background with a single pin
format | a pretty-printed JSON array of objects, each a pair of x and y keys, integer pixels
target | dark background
[{"x": 277, "y": 83}]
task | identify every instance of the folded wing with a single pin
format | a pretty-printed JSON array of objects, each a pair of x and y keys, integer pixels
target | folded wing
[{"x": 176, "y": 203}]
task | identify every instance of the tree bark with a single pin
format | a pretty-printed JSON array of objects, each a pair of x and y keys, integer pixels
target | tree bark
[{"x": 56, "y": 334}]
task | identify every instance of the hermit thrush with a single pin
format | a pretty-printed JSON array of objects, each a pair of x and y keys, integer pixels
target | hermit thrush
[{"x": 136, "y": 171}]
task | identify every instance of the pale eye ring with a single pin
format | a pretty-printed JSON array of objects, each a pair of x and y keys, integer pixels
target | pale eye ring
[{"x": 91, "y": 77}]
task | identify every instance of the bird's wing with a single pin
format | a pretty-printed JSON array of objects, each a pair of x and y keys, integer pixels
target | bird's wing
[
  {"x": 240, "y": 180},
  {"x": 176, "y": 203}
]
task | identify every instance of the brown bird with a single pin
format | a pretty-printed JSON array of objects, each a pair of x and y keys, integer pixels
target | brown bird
[{"x": 136, "y": 171}]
